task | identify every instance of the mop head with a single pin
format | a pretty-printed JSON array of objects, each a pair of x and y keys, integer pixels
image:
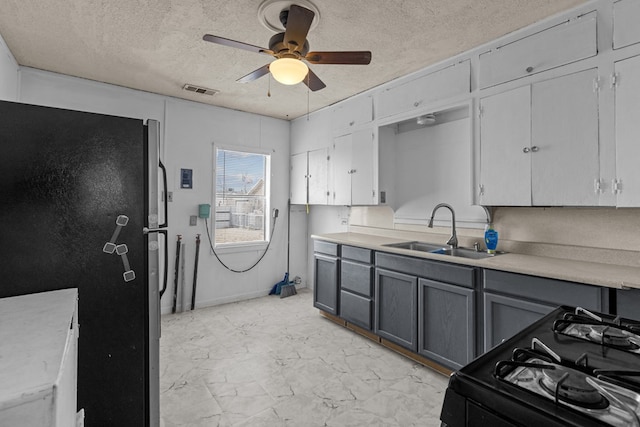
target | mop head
[{"x": 288, "y": 290}]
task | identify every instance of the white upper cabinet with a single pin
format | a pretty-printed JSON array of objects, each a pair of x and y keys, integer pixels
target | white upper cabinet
[
  {"x": 310, "y": 177},
  {"x": 318, "y": 176},
  {"x": 505, "y": 133},
  {"x": 539, "y": 144},
  {"x": 298, "y": 179},
  {"x": 627, "y": 124},
  {"x": 354, "y": 161},
  {"x": 415, "y": 94},
  {"x": 564, "y": 130},
  {"x": 352, "y": 113},
  {"x": 561, "y": 44},
  {"x": 626, "y": 16}
]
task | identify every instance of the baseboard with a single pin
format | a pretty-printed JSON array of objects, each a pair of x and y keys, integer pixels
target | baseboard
[{"x": 388, "y": 344}]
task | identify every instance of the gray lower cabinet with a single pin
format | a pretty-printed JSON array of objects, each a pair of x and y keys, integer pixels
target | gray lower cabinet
[
  {"x": 396, "y": 309},
  {"x": 356, "y": 289},
  {"x": 514, "y": 301},
  {"x": 628, "y": 303},
  {"x": 505, "y": 316},
  {"x": 326, "y": 267},
  {"x": 446, "y": 323}
]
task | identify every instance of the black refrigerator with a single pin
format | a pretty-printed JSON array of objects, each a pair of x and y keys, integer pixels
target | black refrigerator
[{"x": 79, "y": 208}]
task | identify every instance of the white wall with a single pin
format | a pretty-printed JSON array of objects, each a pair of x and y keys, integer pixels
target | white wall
[
  {"x": 8, "y": 74},
  {"x": 188, "y": 131}
]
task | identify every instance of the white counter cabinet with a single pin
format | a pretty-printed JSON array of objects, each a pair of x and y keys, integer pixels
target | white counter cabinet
[{"x": 39, "y": 359}]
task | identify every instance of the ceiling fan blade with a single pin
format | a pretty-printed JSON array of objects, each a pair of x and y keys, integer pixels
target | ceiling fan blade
[
  {"x": 233, "y": 43},
  {"x": 355, "y": 57},
  {"x": 298, "y": 24},
  {"x": 254, "y": 75},
  {"x": 313, "y": 82}
]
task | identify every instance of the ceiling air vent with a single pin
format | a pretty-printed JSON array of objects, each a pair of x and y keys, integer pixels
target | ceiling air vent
[{"x": 200, "y": 89}]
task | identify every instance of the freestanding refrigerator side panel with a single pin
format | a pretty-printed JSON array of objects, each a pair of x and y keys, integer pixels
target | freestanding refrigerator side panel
[
  {"x": 72, "y": 186},
  {"x": 155, "y": 231}
]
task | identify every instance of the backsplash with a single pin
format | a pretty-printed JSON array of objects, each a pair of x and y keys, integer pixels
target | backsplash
[{"x": 604, "y": 235}]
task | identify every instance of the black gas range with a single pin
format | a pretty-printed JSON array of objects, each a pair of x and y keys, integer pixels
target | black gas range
[{"x": 571, "y": 368}]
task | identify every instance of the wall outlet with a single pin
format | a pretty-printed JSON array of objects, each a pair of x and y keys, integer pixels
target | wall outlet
[{"x": 193, "y": 220}]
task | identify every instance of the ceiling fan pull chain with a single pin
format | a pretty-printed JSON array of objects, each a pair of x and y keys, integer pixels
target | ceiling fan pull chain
[
  {"x": 269, "y": 89},
  {"x": 308, "y": 92}
]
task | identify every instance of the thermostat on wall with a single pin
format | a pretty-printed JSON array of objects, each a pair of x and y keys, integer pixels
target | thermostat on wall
[{"x": 186, "y": 178}]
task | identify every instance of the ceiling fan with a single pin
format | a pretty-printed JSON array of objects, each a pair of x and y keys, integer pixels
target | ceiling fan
[{"x": 290, "y": 48}]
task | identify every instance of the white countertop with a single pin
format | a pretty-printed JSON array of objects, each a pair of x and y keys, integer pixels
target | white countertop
[
  {"x": 33, "y": 333},
  {"x": 599, "y": 274}
]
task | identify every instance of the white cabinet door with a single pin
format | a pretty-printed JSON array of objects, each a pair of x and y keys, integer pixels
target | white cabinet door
[
  {"x": 352, "y": 112},
  {"x": 626, "y": 30},
  {"x": 341, "y": 161},
  {"x": 565, "y": 152},
  {"x": 318, "y": 177},
  {"x": 561, "y": 44},
  {"x": 627, "y": 123},
  {"x": 451, "y": 81},
  {"x": 505, "y": 133},
  {"x": 298, "y": 179},
  {"x": 539, "y": 144},
  {"x": 362, "y": 168}
]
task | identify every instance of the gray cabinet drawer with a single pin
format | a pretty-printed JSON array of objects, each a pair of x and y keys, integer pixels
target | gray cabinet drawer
[
  {"x": 357, "y": 278},
  {"x": 356, "y": 254},
  {"x": 450, "y": 273},
  {"x": 561, "y": 44},
  {"x": 325, "y": 247},
  {"x": 356, "y": 309},
  {"x": 550, "y": 291}
]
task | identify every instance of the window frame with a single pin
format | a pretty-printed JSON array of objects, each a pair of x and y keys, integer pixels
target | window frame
[{"x": 244, "y": 246}]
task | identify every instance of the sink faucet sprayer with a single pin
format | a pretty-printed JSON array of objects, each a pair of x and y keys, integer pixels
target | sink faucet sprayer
[{"x": 453, "y": 240}]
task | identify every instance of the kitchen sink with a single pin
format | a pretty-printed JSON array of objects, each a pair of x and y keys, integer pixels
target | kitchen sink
[
  {"x": 416, "y": 246},
  {"x": 439, "y": 249},
  {"x": 463, "y": 253}
]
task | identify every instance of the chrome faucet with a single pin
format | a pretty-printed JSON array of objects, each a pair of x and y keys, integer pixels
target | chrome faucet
[{"x": 453, "y": 240}]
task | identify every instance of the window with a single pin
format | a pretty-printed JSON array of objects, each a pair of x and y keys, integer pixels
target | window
[{"x": 241, "y": 197}]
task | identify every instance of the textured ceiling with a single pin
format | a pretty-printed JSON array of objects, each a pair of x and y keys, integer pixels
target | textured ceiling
[{"x": 157, "y": 46}]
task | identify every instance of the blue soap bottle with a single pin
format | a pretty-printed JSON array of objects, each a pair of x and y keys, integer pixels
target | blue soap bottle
[{"x": 490, "y": 238}]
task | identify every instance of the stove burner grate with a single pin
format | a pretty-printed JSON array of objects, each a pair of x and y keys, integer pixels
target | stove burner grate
[{"x": 571, "y": 386}]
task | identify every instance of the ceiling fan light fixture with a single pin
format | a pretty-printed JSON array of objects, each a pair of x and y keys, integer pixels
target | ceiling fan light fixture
[{"x": 288, "y": 71}]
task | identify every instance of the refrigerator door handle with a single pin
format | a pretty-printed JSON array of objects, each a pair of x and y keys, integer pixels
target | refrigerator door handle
[
  {"x": 166, "y": 261},
  {"x": 166, "y": 196}
]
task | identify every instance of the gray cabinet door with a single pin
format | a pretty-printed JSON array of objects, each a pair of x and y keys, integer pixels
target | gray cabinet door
[
  {"x": 505, "y": 316},
  {"x": 396, "y": 308},
  {"x": 326, "y": 283},
  {"x": 628, "y": 303},
  {"x": 446, "y": 323}
]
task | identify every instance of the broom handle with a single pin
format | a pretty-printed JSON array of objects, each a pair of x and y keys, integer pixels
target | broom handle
[{"x": 195, "y": 273}]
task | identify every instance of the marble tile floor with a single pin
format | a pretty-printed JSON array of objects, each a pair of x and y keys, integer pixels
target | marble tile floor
[{"x": 278, "y": 362}]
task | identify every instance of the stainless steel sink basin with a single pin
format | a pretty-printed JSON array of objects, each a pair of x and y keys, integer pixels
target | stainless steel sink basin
[
  {"x": 416, "y": 246},
  {"x": 438, "y": 249},
  {"x": 464, "y": 253}
]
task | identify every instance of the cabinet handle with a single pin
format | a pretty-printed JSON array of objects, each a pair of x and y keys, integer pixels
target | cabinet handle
[
  {"x": 417, "y": 103},
  {"x": 526, "y": 149},
  {"x": 535, "y": 149},
  {"x": 529, "y": 69}
]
